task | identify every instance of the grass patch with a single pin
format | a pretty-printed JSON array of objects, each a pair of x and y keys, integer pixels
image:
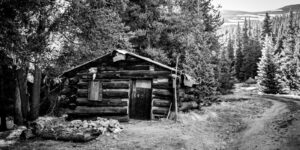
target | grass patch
[{"x": 225, "y": 121}]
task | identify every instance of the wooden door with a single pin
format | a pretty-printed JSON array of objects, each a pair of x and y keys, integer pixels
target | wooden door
[{"x": 140, "y": 103}]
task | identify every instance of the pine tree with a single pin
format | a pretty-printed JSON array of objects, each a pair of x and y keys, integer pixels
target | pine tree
[
  {"x": 268, "y": 70},
  {"x": 266, "y": 28},
  {"x": 290, "y": 42},
  {"x": 279, "y": 45},
  {"x": 297, "y": 55},
  {"x": 256, "y": 48},
  {"x": 238, "y": 54},
  {"x": 247, "y": 53},
  {"x": 225, "y": 72},
  {"x": 288, "y": 64},
  {"x": 230, "y": 49},
  {"x": 230, "y": 52}
]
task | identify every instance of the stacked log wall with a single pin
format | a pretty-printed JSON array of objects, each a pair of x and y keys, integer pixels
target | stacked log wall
[
  {"x": 162, "y": 97},
  {"x": 116, "y": 79}
]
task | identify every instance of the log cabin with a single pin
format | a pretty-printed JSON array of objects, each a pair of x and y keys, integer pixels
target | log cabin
[{"x": 122, "y": 85}]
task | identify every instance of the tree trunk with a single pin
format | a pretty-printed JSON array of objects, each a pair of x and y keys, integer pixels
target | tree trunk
[
  {"x": 2, "y": 101},
  {"x": 18, "y": 109},
  {"x": 36, "y": 93},
  {"x": 22, "y": 78}
]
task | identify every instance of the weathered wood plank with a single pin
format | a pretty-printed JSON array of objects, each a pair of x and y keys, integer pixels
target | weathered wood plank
[
  {"x": 162, "y": 92},
  {"x": 82, "y": 110},
  {"x": 105, "y": 93},
  {"x": 160, "y": 110},
  {"x": 82, "y": 84},
  {"x": 161, "y": 80},
  {"x": 161, "y": 103},
  {"x": 107, "y": 84},
  {"x": 82, "y": 92},
  {"x": 104, "y": 102},
  {"x": 115, "y": 94},
  {"x": 95, "y": 91},
  {"x": 169, "y": 97},
  {"x": 137, "y": 67},
  {"x": 108, "y": 68},
  {"x": 163, "y": 85},
  {"x": 156, "y": 116},
  {"x": 115, "y": 85},
  {"x": 126, "y": 74}
]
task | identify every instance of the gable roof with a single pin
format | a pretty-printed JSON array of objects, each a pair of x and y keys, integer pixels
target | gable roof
[
  {"x": 146, "y": 59},
  {"x": 124, "y": 52}
]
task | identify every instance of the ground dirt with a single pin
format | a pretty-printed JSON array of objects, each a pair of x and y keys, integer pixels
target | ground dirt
[{"x": 244, "y": 120}]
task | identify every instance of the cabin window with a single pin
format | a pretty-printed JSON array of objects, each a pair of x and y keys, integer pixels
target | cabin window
[{"x": 95, "y": 91}]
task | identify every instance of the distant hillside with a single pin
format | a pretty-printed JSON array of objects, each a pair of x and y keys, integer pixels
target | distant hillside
[
  {"x": 295, "y": 7},
  {"x": 233, "y": 16}
]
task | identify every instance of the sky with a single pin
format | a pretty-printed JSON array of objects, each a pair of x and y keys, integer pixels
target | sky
[{"x": 254, "y": 5}]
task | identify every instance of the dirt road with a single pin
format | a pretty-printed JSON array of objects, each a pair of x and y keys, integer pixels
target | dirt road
[
  {"x": 244, "y": 121},
  {"x": 277, "y": 128}
]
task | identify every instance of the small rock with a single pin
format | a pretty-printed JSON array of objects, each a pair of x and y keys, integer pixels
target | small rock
[{"x": 115, "y": 137}]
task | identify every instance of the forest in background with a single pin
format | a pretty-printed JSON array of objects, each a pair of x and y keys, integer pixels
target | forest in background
[{"x": 267, "y": 51}]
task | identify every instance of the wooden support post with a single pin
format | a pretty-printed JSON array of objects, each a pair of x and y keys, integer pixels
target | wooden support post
[{"x": 175, "y": 89}]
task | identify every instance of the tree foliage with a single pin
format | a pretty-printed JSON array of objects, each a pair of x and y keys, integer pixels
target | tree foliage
[{"x": 268, "y": 79}]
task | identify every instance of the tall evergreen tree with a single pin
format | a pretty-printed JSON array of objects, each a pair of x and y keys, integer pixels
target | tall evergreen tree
[
  {"x": 229, "y": 53},
  {"x": 268, "y": 80},
  {"x": 225, "y": 79},
  {"x": 230, "y": 49},
  {"x": 266, "y": 28},
  {"x": 143, "y": 18},
  {"x": 288, "y": 63},
  {"x": 238, "y": 54},
  {"x": 247, "y": 53}
]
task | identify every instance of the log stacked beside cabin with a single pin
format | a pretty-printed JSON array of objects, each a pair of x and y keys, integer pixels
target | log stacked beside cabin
[{"x": 189, "y": 99}]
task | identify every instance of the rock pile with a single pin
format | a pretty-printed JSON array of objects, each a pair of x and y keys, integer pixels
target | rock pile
[{"x": 76, "y": 130}]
